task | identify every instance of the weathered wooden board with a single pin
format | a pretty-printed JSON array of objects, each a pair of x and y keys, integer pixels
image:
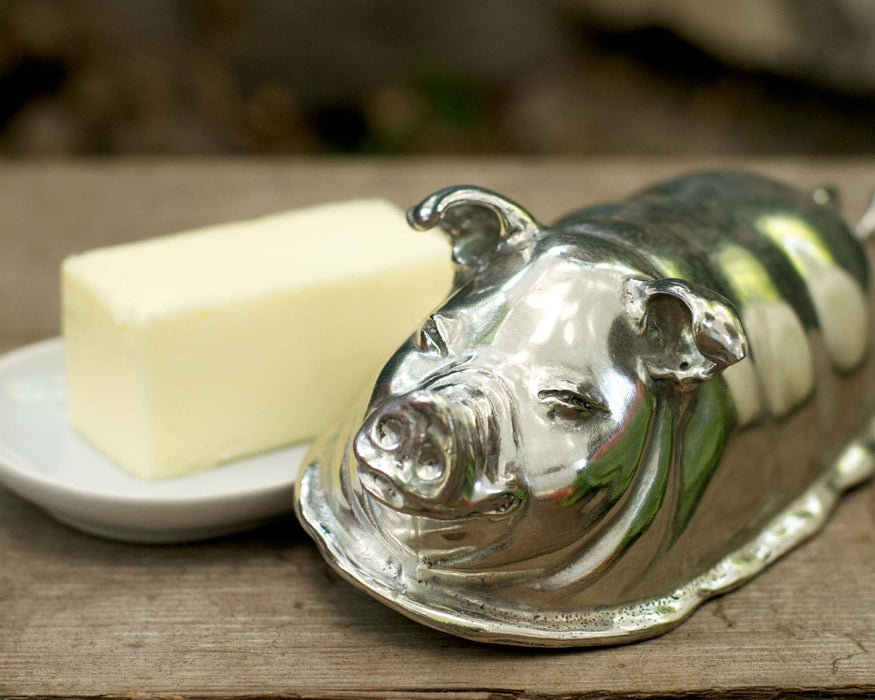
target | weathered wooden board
[{"x": 260, "y": 614}]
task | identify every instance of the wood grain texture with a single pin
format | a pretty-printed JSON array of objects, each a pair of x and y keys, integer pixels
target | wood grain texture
[{"x": 260, "y": 614}]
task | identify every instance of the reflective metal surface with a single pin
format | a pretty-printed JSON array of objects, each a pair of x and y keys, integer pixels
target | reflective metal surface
[{"x": 610, "y": 419}]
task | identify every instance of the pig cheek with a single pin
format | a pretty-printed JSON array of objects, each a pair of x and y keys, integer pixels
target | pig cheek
[
  {"x": 603, "y": 456},
  {"x": 612, "y": 465}
]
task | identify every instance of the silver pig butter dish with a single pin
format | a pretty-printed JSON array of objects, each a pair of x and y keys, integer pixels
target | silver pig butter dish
[{"x": 610, "y": 419}]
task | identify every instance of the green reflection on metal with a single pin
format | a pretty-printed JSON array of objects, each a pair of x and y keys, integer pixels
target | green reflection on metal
[
  {"x": 616, "y": 463},
  {"x": 747, "y": 276},
  {"x": 470, "y": 479},
  {"x": 660, "y": 443},
  {"x": 668, "y": 267},
  {"x": 703, "y": 443},
  {"x": 797, "y": 238}
]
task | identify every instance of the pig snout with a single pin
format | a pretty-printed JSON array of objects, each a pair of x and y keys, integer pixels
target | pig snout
[
  {"x": 425, "y": 452},
  {"x": 409, "y": 450}
]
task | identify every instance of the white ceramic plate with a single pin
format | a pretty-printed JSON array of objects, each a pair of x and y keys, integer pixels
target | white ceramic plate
[{"x": 44, "y": 461}]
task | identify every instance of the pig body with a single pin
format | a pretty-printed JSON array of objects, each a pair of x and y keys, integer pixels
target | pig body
[{"x": 609, "y": 419}]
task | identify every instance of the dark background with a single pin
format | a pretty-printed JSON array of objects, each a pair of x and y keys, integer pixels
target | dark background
[{"x": 549, "y": 77}]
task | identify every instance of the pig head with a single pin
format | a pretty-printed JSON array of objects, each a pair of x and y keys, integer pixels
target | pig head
[{"x": 533, "y": 422}]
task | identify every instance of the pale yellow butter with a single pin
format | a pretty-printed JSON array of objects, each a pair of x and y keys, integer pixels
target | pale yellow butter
[{"x": 190, "y": 350}]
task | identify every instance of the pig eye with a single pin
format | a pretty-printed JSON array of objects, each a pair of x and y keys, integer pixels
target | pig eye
[
  {"x": 570, "y": 404},
  {"x": 429, "y": 339}
]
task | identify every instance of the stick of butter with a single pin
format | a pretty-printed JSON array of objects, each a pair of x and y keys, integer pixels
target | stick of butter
[{"x": 193, "y": 349}]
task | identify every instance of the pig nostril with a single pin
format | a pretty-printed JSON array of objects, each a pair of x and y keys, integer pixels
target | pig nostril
[
  {"x": 389, "y": 432},
  {"x": 430, "y": 465}
]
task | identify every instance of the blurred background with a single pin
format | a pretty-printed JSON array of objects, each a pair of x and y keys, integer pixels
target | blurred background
[{"x": 536, "y": 77}]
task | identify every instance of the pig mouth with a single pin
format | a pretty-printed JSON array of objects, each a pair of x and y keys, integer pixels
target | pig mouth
[{"x": 435, "y": 452}]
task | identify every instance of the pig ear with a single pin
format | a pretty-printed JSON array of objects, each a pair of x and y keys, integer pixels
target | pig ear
[
  {"x": 475, "y": 220},
  {"x": 690, "y": 333}
]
